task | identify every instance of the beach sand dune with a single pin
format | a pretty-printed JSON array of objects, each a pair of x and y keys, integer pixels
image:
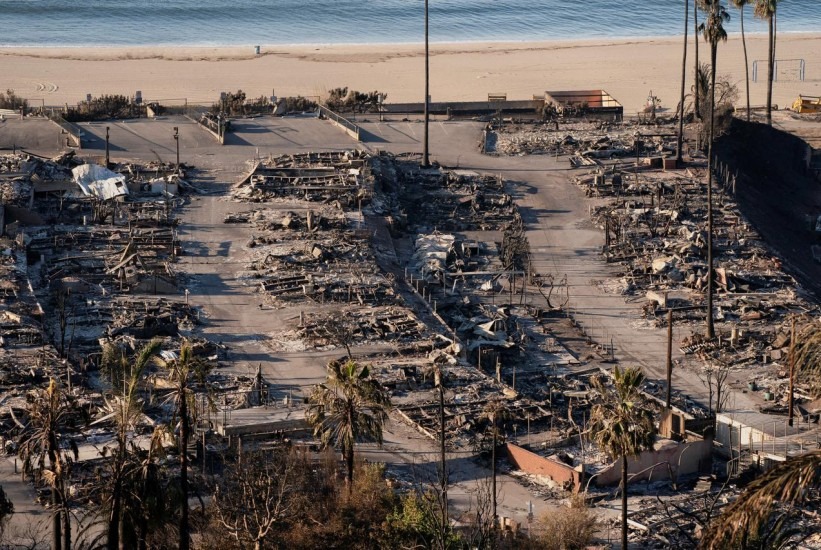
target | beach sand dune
[{"x": 629, "y": 69}]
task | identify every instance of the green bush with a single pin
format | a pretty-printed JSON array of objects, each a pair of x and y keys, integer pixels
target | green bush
[{"x": 10, "y": 100}]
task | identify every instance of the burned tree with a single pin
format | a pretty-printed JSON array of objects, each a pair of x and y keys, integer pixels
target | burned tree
[{"x": 252, "y": 499}]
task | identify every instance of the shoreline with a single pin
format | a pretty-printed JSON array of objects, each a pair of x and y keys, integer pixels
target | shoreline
[
  {"x": 220, "y": 52},
  {"x": 628, "y": 68},
  {"x": 5, "y": 48}
]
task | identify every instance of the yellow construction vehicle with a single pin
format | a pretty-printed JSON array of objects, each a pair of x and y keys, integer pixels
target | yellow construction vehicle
[{"x": 807, "y": 104}]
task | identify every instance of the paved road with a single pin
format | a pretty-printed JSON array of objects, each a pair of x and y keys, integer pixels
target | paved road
[{"x": 37, "y": 135}]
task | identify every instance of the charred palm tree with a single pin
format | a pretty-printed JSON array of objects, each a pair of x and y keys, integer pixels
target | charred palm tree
[
  {"x": 714, "y": 32},
  {"x": 741, "y": 4},
  {"x": 621, "y": 426},
  {"x": 350, "y": 407},
  {"x": 51, "y": 413},
  {"x": 145, "y": 498},
  {"x": 789, "y": 483},
  {"x": 766, "y": 9},
  {"x": 126, "y": 407},
  {"x": 184, "y": 375}
]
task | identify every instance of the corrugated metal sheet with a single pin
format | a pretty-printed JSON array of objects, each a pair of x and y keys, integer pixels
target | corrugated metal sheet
[{"x": 99, "y": 181}]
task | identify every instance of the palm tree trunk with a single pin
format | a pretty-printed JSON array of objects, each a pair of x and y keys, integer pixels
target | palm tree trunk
[
  {"x": 696, "y": 98},
  {"x": 142, "y": 522},
  {"x": 770, "y": 65},
  {"x": 56, "y": 525},
  {"x": 624, "y": 502},
  {"x": 746, "y": 63},
  {"x": 184, "y": 539},
  {"x": 122, "y": 533},
  {"x": 680, "y": 140},
  {"x": 493, "y": 471},
  {"x": 114, "y": 520},
  {"x": 710, "y": 283},
  {"x": 56, "y": 501},
  {"x": 66, "y": 526},
  {"x": 349, "y": 464}
]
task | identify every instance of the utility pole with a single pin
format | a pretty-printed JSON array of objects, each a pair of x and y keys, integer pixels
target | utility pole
[
  {"x": 107, "y": 160},
  {"x": 425, "y": 148},
  {"x": 791, "y": 404},
  {"x": 669, "y": 357},
  {"x": 680, "y": 137}
]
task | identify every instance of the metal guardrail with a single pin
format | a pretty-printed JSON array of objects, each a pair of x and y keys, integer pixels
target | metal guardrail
[
  {"x": 72, "y": 131},
  {"x": 217, "y": 131},
  {"x": 338, "y": 120}
]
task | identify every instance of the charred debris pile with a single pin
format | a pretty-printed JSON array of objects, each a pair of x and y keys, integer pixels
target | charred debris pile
[
  {"x": 421, "y": 271},
  {"x": 653, "y": 215},
  {"x": 462, "y": 251},
  {"x": 89, "y": 278}
]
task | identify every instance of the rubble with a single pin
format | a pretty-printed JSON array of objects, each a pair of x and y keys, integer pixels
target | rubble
[
  {"x": 653, "y": 217},
  {"x": 316, "y": 177}
]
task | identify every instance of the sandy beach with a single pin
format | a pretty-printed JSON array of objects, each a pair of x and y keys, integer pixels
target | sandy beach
[{"x": 629, "y": 69}]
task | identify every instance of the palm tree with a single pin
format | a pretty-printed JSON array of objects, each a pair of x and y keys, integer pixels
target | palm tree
[
  {"x": 766, "y": 9},
  {"x": 127, "y": 409},
  {"x": 741, "y": 4},
  {"x": 51, "y": 413},
  {"x": 348, "y": 408},
  {"x": 184, "y": 374},
  {"x": 150, "y": 507},
  {"x": 714, "y": 32},
  {"x": 787, "y": 483},
  {"x": 620, "y": 426},
  {"x": 680, "y": 140}
]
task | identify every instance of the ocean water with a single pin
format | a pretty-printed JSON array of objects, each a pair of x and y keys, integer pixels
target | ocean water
[{"x": 251, "y": 22}]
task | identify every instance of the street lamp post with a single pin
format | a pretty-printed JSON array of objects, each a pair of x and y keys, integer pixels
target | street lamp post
[
  {"x": 107, "y": 161},
  {"x": 425, "y": 152},
  {"x": 177, "y": 140}
]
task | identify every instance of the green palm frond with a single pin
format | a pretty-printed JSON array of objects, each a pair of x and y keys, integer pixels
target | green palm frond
[
  {"x": 787, "y": 482},
  {"x": 349, "y": 407},
  {"x": 764, "y": 9},
  {"x": 713, "y": 27},
  {"x": 618, "y": 424}
]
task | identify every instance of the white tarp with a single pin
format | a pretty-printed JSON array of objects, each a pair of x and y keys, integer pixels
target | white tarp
[
  {"x": 99, "y": 181},
  {"x": 431, "y": 255}
]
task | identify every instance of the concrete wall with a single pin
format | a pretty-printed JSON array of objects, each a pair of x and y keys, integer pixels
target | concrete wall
[
  {"x": 681, "y": 459},
  {"x": 466, "y": 107},
  {"x": 339, "y": 121},
  {"x": 532, "y": 463},
  {"x": 72, "y": 133}
]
